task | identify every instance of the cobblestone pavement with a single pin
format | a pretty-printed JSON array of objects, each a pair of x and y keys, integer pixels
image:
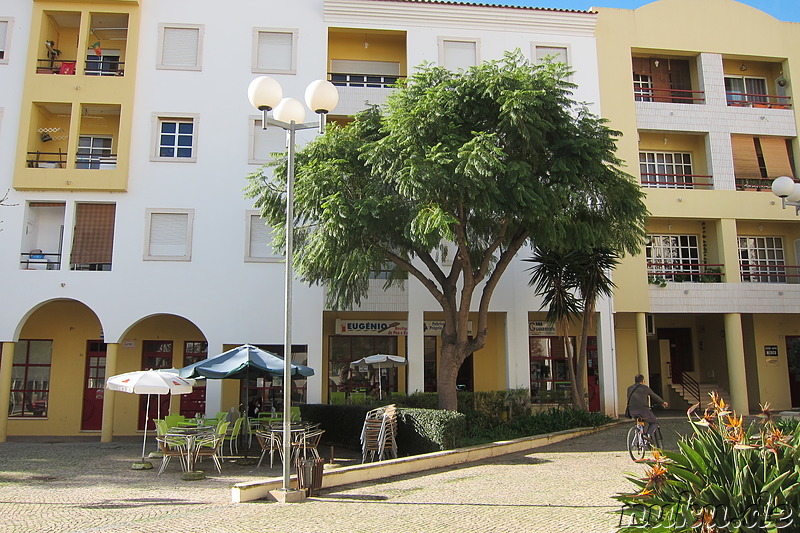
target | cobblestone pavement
[{"x": 81, "y": 486}]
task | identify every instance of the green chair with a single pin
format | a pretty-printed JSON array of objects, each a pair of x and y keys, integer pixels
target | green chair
[
  {"x": 358, "y": 398},
  {"x": 174, "y": 420},
  {"x": 337, "y": 398},
  {"x": 233, "y": 437},
  {"x": 295, "y": 413}
]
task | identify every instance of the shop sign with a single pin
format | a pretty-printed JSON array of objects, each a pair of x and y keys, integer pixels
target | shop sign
[
  {"x": 394, "y": 328},
  {"x": 435, "y": 327},
  {"x": 771, "y": 351},
  {"x": 541, "y": 328}
]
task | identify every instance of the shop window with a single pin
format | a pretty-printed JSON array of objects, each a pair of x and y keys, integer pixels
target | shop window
[
  {"x": 30, "y": 378},
  {"x": 194, "y": 403},
  {"x": 549, "y": 373},
  {"x": 357, "y": 382}
]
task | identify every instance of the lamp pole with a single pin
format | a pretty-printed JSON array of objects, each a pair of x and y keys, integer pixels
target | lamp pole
[
  {"x": 266, "y": 95},
  {"x": 788, "y": 191}
]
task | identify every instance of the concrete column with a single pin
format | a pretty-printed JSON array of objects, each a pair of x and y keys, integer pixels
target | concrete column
[
  {"x": 607, "y": 358},
  {"x": 737, "y": 376},
  {"x": 5, "y": 387},
  {"x": 641, "y": 345},
  {"x": 415, "y": 351},
  {"x": 728, "y": 245},
  {"x": 107, "y": 430}
]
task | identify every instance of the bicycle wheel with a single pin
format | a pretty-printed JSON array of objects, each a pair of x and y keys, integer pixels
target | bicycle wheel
[
  {"x": 635, "y": 444},
  {"x": 658, "y": 440}
]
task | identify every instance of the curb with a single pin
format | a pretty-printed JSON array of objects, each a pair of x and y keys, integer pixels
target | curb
[{"x": 348, "y": 475}]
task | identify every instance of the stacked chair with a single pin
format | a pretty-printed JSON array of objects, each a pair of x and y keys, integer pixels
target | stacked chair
[{"x": 379, "y": 434}]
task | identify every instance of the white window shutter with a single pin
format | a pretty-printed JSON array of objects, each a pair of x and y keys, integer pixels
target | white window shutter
[
  {"x": 3, "y": 34},
  {"x": 275, "y": 50},
  {"x": 267, "y": 141},
  {"x": 460, "y": 54},
  {"x": 180, "y": 47},
  {"x": 168, "y": 234},
  {"x": 558, "y": 53},
  {"x": 260, "y": 238}
]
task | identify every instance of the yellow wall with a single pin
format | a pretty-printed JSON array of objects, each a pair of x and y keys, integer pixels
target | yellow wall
[
  {"x": 673, "y": 142},
  {"x": 383, "y": 46},
  {"x": 69, "y": 324},
  {"x": 161, "y": 327},
  {"x": 76, "y": 90},
  {"x": 772, "y": 372},
  {"x": 627, "y": 364}
]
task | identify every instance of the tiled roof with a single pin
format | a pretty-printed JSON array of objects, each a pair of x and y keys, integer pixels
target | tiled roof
[{"x": 457, "y": 3}]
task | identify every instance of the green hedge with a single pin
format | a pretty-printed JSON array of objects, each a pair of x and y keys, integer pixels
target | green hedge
[{"x": 418, "y": 430}]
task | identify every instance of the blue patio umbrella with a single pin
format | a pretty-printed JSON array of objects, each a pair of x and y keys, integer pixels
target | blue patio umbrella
[{"x": 243, "y": 362}]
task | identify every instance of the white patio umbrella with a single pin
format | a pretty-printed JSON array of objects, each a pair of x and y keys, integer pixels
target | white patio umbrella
[
  {"x": 150, "y": 382},
  {"x": 379, "y": 361}
]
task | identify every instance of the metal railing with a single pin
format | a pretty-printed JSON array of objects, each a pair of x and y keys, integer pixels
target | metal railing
[
  {"x": 753, "y": 184},
  {"x": 758, "y": 100},
  {"x": 676, "y": 181},
  {"x": 684, "y": 272},
  {"x": 91, "y": 67},
  {"x": 665, "y": 94},
  {"x": 341, "y": 79},
  {"x": 96, "y": 161},
  {"x": 40, "y": 261},
  {"x": 754, "y": 272},
  {"x": 690, "y": 388},
  {"x": 46, "y": 159}
]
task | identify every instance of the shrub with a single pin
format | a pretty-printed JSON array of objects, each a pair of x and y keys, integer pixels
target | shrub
[{"x": 724, "y": 477}]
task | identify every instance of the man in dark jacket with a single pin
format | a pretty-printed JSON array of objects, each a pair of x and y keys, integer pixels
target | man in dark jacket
[{"x": 639, "y": 396}]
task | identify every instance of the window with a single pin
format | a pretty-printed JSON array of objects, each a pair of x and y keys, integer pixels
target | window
[
  {"x": 5, "y": 38},
  {"x": 670, "y": 170},
  {"x": 180, "y": 46},
  {"x": 259, "y": 240},
  {"x": 762, "y": 259},
  {"x": 355, "y": 382},
  {"x": 673, "y": 257},
  {"x": 555, "y": 53},
  {"x": 549, "y": 373},
  {"x": 168, "y": 235},
  {"x": 105, "y": 64},
  {"x": 642, "y": 87},
  {"x": 194, "y": 403},
  {"x": 94, "y": 151},
  {"x": 741, "y": 91},
  {"x": 458, "y": 54},
  {"x": 264, "y": 142},
  {"x": 175, "y": 138},
  {"x": 93, "y": 237},
  {"x": 30, "y": 378},
  {"x": 274, "y": 51}
]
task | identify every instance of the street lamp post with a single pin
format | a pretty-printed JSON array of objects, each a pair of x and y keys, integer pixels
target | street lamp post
[
  {"x": 266, "y": 95},
  {"x": 788, "y": 191}
]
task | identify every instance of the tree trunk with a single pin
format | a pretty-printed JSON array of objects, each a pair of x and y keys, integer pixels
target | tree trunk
[
  {"x": 571, "y": 368},
  {"x": 451, "y": 360}
]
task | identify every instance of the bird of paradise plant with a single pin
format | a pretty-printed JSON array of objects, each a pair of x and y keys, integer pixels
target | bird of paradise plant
[{"x": 726, "y": 477}]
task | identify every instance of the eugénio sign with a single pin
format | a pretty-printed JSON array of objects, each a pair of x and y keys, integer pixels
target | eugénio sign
[{"x": 372, "y": 327}]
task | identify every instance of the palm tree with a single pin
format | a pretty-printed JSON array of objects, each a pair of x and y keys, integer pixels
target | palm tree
[
  {"x": 553, "y": 278},
  {"x": 591, "y": 271}
]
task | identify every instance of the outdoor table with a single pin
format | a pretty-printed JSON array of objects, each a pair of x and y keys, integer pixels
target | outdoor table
[
  {"x": 297, "y": 429},
  {"x": 190, "y": 434}
]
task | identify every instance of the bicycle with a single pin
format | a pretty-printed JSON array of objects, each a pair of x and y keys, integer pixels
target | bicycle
[{"x": 636, "y": 442}]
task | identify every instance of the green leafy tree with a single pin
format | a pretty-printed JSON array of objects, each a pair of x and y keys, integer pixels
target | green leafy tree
[{"x": 484, "y": 159}]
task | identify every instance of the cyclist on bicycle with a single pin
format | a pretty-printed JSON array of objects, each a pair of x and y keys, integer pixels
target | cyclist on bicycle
[{"x": 639, "y": 396}]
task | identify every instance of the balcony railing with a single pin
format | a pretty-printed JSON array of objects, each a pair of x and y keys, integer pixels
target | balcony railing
[
  {"x": 676, "y": 96},
  {"x": 676, "y": 181},
  {"x": 362, "y": 80},
  {"x": 92, "y": 68},
  {"x": 37, "y": 260},
  {"x": 93, "y": 267},
  {"x": 96, "y": 161},
  {"x": 758, "y": 100},
  {"x": 753, "y": 184},
  {"x": 658, "y": 272},
  {"x": 46, "y": 159},
  {"x": 766, "y": 273}
]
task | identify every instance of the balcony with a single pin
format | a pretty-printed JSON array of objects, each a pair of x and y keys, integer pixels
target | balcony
[
  {"x": 665, "y": 94},
  {"x": 769, "y": 273},
  {"x": 103, "y": 53},
  {"x": 658, "y": 273},
  {"x": 365, "y": 65},
  {"x": 759, "y": 100},
  {"x": 676, "y": 181}
]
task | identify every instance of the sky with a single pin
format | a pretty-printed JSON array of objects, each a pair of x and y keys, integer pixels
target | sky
[{"x": 788, "y": 10}]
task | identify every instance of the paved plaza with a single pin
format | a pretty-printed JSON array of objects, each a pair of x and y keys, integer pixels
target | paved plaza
[{"x": 63, "y": 484}]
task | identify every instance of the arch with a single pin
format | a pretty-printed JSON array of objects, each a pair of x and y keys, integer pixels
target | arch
[{"x": 23, "y": 319}]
